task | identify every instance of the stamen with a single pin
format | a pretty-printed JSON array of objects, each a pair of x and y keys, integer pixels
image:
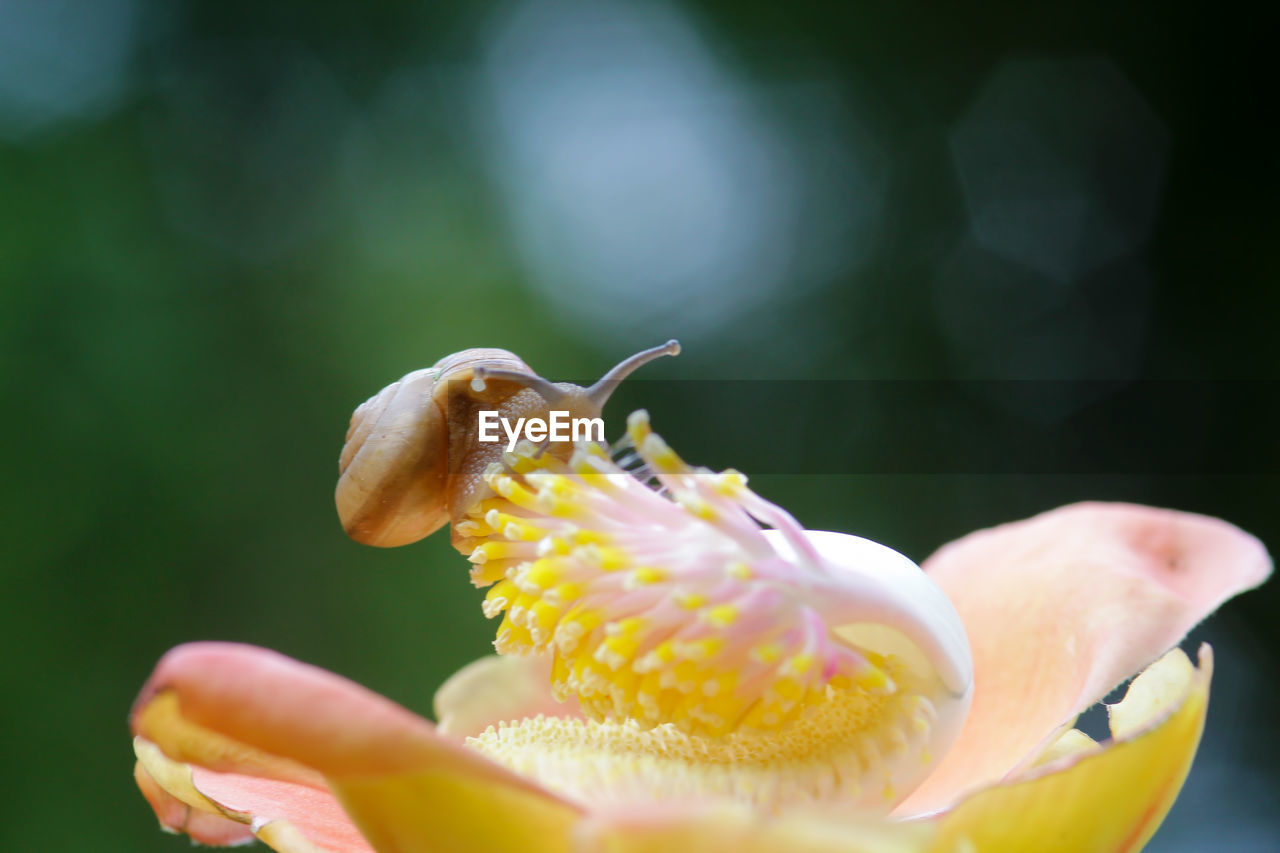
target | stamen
[
  {"x": 675, "y": 608},
  {"x": 851, "y": 749}
]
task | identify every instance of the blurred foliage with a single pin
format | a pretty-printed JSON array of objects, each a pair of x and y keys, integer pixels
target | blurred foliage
[{"x": 262, "y": 213}]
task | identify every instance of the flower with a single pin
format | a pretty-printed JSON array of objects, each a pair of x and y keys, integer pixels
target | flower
[{"x": 672, "y": 674}]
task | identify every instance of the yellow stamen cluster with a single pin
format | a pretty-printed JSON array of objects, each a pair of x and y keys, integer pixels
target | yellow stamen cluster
[{"x": 657, "y": 608}]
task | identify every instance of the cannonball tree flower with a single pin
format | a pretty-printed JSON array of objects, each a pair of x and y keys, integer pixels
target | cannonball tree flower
[{"x": 671, "y": 673}]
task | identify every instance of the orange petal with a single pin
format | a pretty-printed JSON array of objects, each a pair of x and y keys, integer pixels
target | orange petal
[
  {"x": 1108, "y": 800},
  {"x": 1061, "y": 608},
  {"x": 238, "y": 712},
  {"x": 498, "y": 689}
]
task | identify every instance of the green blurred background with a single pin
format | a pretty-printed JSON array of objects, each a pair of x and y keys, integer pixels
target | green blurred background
[{"x": 225, "y": 224}]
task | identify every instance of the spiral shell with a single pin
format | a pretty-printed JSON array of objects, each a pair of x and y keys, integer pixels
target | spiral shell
[{"x": 412, "y": 460}]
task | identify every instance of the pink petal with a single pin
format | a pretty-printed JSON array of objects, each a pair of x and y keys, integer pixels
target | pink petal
[
  {"x": 285, "y": 708},
  {"x": 1064, "y": 606},
  {"x": 230, "y": 808},
  {"x": 176, "y": 816},
  {"x": 267, "y": 738}
]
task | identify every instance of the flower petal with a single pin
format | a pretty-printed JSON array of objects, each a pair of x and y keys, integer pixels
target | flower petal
[
  {"x": 1062, "y": 607},
  {"x": 230, "y": 808},
  {"x": 205, "y": 827},
  {"x": 498, "y": 689},
  {"x": 1112, "y": 799},
  {"x": 741, "y": 829},
  {"x": 237, "y": 712}
]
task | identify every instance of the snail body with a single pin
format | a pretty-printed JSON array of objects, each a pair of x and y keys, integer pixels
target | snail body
[{"x": 412, "y": 460}]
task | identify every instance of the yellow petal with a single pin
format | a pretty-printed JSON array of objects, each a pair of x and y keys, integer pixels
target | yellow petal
[
  {"x": 1112, "y": 799},
  {"x": 741, "y": 830},
  {"x": 498, "y": 689},
  {"x": 258, "y": 738},
  {"x": 1070, "y": 742},
  {"x": 443, "y": 810}
]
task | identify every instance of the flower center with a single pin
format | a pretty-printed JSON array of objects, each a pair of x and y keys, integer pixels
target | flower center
[
  {"x": 708, "y": 655},
  {"x": 658, "y": 609},
  {"x": 848, "y": 748}
]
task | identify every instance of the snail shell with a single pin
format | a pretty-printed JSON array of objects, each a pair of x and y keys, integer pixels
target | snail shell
[{"x": 412, "y": 460}]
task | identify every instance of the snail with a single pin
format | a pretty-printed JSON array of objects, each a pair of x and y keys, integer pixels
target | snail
[{"x": 412, "y": 461}]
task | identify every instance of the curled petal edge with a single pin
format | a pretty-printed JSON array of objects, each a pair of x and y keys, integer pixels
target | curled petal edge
[
  {"x": 203, "y": 825},
  {"x": 225, "y": 809},
  {"x": 1109, "y": 799},
  {"x": 1062, "y": 607},
  {"x": 304, "y": 757}
]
